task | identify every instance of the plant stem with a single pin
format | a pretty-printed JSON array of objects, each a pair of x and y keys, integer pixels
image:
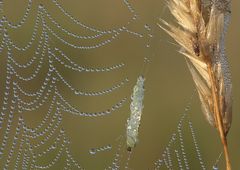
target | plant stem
[{"x": 218, "y": 116}]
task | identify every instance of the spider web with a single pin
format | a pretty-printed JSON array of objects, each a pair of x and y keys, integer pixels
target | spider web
[
  {"x": 29, "y": 145},
  {"x": 183, "y": 150},
  {"x": 175, "y": 155}
]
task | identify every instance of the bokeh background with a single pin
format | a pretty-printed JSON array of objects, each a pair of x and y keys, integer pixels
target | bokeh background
[{"x": 169, "y": 86}]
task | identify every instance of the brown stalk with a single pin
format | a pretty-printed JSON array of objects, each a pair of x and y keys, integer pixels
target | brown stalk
[
  {"x": 217, "y": 114},
  {"x": 201, "y": 35},
  {"x": 218, "y": 117}
]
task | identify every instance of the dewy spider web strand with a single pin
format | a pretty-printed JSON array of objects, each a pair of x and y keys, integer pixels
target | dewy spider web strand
[
  {"x": 41, "y": 45},
  {"x": 178, "y": 153},
  {"x": 79, "y": 68}
]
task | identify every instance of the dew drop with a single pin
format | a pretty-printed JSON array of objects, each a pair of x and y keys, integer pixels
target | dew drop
[
  {"x": 92, "y": 151},
  {"x": 147, "y": 27}
]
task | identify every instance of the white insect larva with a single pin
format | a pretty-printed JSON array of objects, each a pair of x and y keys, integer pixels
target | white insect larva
[{"x": 136, "y": 108}]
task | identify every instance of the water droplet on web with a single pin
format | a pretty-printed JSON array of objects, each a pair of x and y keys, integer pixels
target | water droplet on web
[
  {"x": 92, "y": 151},
  {"x": 150, "y": 35},
  {"x": 147, "y": 27},
  {"x": 40, "y": 6},
  {"x": 109, "y": 147}
]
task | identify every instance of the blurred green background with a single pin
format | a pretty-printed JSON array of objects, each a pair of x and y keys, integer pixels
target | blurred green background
[{"x": 169, "y": 85}]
